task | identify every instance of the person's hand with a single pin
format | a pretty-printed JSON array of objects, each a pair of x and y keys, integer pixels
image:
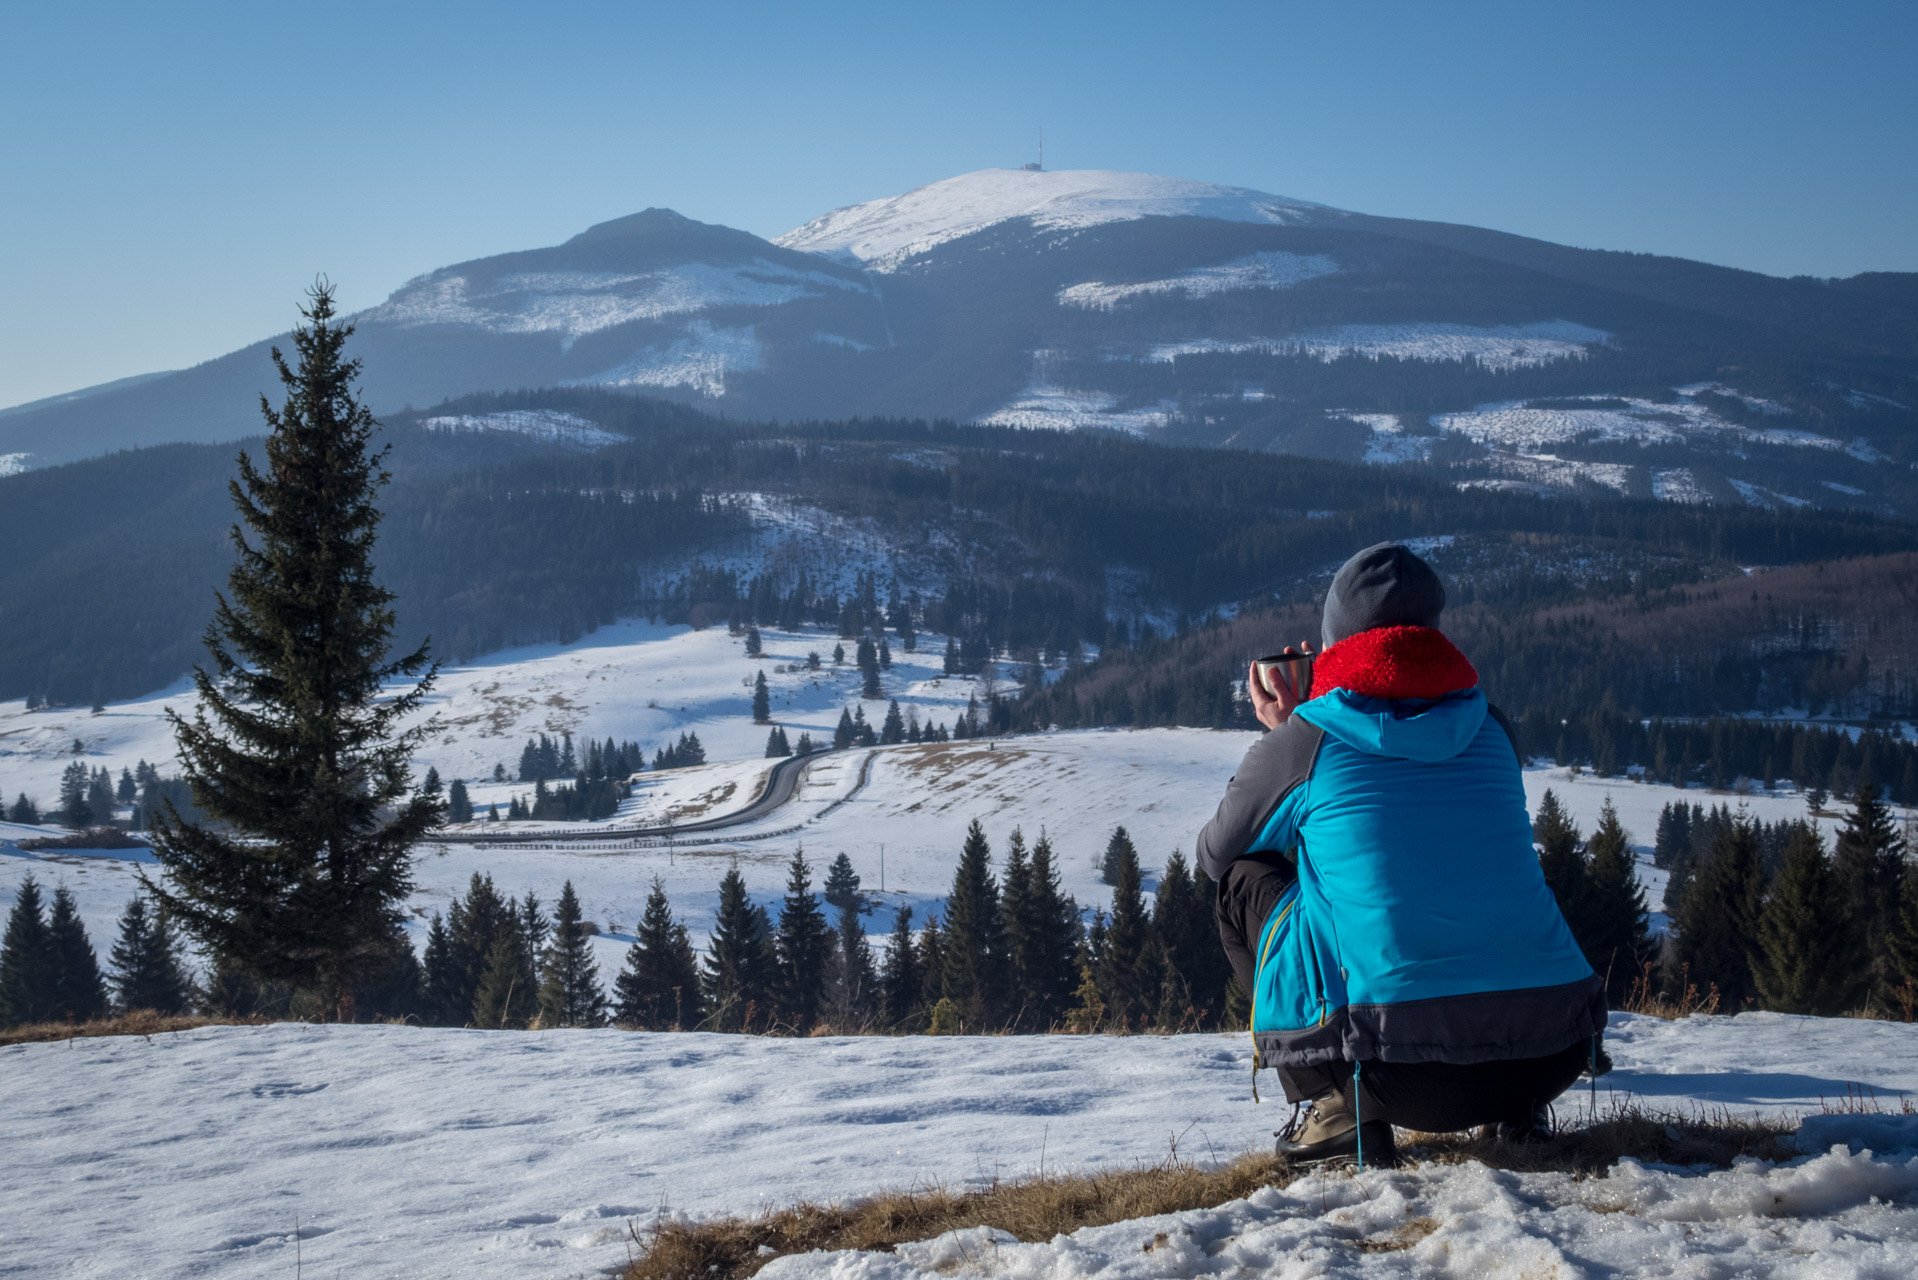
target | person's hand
[{"x": 1294, "y": 681}]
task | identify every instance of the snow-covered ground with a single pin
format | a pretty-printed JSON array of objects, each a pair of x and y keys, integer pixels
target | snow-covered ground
[
  {"x": 1498, "y": 347},
  {"x": 1517, "y": 426},
  {"x": 1273, "y": 270},
  {"x": 239, "y": 1152},
  {"x": 882, "y": 234},
  {"x": 547, "y": 425},
  {"x": 573, "y": 303}
]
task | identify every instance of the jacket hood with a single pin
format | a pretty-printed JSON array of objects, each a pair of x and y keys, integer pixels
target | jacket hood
[
  {"x": 1426, "y": 732},
  {"x": 1382, "y": 586}
]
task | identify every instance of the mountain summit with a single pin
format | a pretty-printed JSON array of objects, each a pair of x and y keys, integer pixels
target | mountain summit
[
  {"x": 883, "y": 233},
  {"x": 1184, "y": 311}
]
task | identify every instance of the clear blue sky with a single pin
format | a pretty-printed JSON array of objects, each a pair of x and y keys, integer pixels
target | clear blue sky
[{"x": 171, "y": 176}]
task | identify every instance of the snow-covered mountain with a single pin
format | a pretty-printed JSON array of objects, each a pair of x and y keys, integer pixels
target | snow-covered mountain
[
  {"x": 883, "y": 233},
  {"x": 1183, "y": 310}
]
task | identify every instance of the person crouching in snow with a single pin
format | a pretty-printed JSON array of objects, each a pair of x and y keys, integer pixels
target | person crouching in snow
[{"x": 1379, "y": 896}]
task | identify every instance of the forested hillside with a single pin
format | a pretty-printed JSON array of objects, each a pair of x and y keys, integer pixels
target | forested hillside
[{"x": 1019, "y": 544}]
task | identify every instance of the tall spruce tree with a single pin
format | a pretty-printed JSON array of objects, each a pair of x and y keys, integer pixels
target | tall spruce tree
[
  {"x": 1182, "y": 924},
  {"x": 1617, "y": 938},
  {"x": 569, "y": 990},
  {"x": 147, "y": 969},
  {"x": 804, "y": 945},
  {"x": 741, "y": 969},
  {"x": 901, "y": 982},
  {"x": 473, "y": 927},
  {"x": 79, "y": 991},
  {"x": 1716, "y": 923},
  {"x": 1800, "y": 966},
  {"x": 842, "y": 884},
  {"x": 974, "y": 936},
  {"x": 1129, "y": 970},
  {"x": 932, "y": 962},
  {"x": 1118, "y": 847},
  {"x": 1562, "y": 859},
  {"x": 298, "y": 749},
  {"x": 1015, "y": 910},
  {"x": 1904, "y": 951},
  {"x": 508, "y": 995},
  {"x": 855, "y": 993},
  {"x": 1869, "y": 865},
  {"x": 26, "y": 960},
  {"x": 441, "y": 979},
  {"x": 762, "y": 700},
  {"x": 1051, "y": 941},
  {"x": 658, "y": 989}
]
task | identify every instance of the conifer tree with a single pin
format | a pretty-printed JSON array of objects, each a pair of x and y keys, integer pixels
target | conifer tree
[
  {"x": 536, "y": 926},
  {"x": 868, "y": 661},
  {"x": 298, "y": 750},
  {"x": 1716, "y": 923},
  {"x": 1800, "y": 966},
  {"x": 459, "y": 806},
  {"x": 804, "y": 944},
  {"x": 1869, "y": 867},
  {"x": 740, "y": 967},
  {"x": 147, "y": 968},
  {"x": 855, "y": 987},
  {"x": 762, "y": 700},
  {"x": 1118, "y": 848},
  {"x": 894, "y": 727},
  {"x": 473, "y": 927},
  {"x": 1128, "y": 969},
  {"x": 26, "y": 960},
  {"x": 443, "y": 984},
  {"x": 754, "y": 646},
  {"x": 974, "y": 935},
  {"x": 24, "y": 811},
  {"x": 776, "y": 745},
  {"x": 844, "y": 735},
  {"x": 1182, "y": 925},
  {"x": 79, "y": 992},
  {"x": 842, "y": 884},
  {"x": 901, "y": 982},
  {"x": 1052, "y": 937},
  {"x": 569, "y": 990},
  {"x": 1562, "y": 859},
  {"x": 932, "y": 962},
  {"x": 1617, "y": 940},
  {"x": 509, "y": 987},
  {"x": 1904, "y": 951},
  {"x": 1088, "y": 1012},
  {"x": 1015, "y": 909},
  {"x": 658, "y": 990}
]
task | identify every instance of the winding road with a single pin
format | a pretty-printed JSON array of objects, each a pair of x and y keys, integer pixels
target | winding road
[{"x": 781, "y": 785}]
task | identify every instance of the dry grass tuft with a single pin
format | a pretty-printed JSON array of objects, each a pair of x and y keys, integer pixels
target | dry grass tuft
[
  {"x": 1032, "y": 1209},
  {"x": 139, "y": 1022},
  {"x": 1039, "y": 1208}
]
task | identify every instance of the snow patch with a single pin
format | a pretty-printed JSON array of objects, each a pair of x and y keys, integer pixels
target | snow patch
[
  {"x": 541, "y": 424},
  {"x": 1494, "y": 347},
  {"x": 1851, "y": 490},
  {"x": 12, "y": 464},
  {"x": 1678, "y": 484},
  {"x": 1276, "y": 270},
  {"x": 883, "y": 234},
  {"x": 1519, "y": 425},
  {"x": 701, "y": 360},
  {"x": 572, "y": 303},
  {"x": 1759, "y": 496},
  {"x": 1053, "y": 408}
]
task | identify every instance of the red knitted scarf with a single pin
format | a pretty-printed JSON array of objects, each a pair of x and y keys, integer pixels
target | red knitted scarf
[{"x": 1393, "y": 662}]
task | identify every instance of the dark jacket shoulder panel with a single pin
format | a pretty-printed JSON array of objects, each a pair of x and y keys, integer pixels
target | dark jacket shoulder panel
[{"x": 1272, "y": 767}]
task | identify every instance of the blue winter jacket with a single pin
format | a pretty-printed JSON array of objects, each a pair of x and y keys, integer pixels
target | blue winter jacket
[{"x": 1420, "y": 928}]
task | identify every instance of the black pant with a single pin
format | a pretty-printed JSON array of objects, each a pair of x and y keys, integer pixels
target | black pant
[{"x": 1435, "y": 1097}]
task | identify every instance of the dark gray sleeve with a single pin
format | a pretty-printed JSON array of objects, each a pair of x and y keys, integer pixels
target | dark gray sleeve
[
  {"x": 1272, "y": 767},
  {"x": 1511, "y": 735}
]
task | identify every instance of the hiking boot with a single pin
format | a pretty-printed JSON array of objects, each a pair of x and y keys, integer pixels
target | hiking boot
[
  {"x": 1329, "y": 1130},
  {"x": 1541, "y": 1127}
]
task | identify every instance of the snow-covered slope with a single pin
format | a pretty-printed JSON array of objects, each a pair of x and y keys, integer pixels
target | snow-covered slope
[
  {"x": 884, "y": 233},
  {"x": 371, "y": 1151}
]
